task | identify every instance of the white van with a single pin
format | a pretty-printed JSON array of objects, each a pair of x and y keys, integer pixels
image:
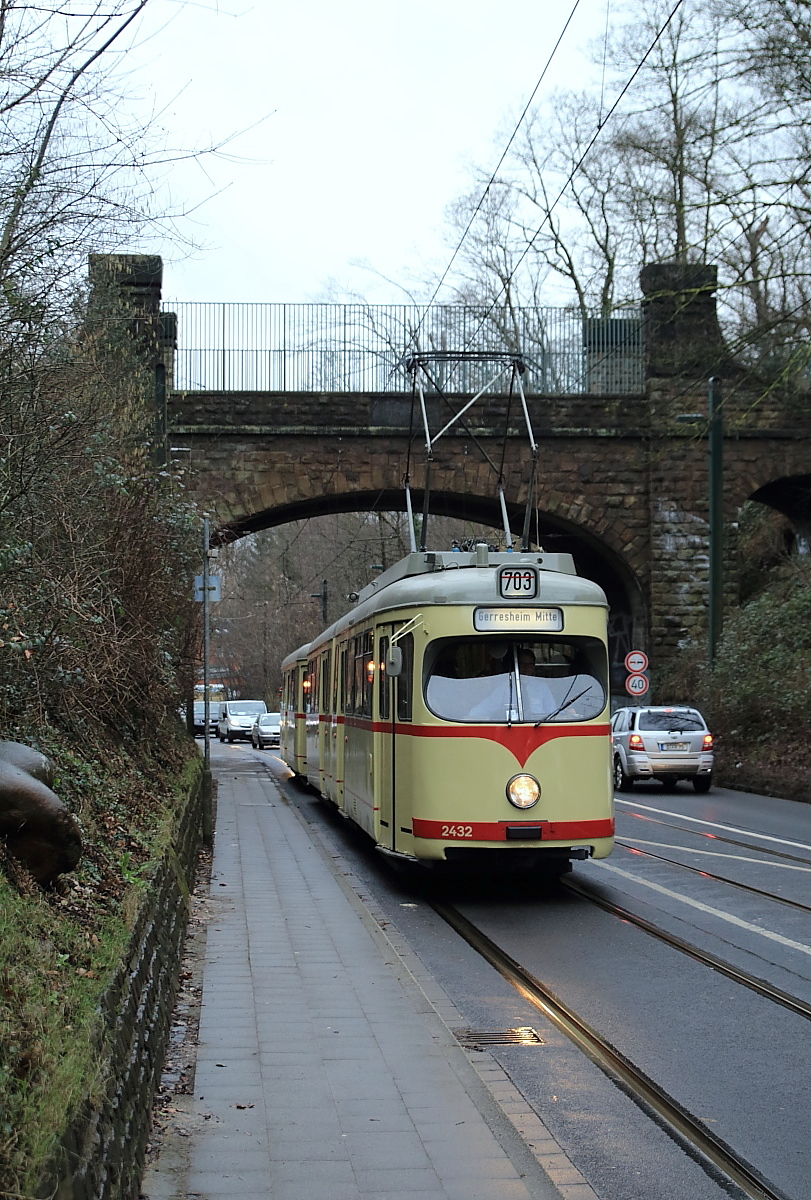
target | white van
[{"x": 237, "y": 718}]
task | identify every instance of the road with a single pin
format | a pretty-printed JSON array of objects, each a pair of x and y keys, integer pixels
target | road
[{"x": 727, "y": 873}]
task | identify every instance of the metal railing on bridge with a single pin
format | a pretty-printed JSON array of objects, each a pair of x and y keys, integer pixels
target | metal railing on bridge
[{"x": 360, "y": 347}]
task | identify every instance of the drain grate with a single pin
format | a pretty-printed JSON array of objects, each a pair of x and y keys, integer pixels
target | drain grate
[{"x": 525, "y": 1036}]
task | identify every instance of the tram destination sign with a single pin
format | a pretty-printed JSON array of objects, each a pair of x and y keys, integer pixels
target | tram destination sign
[{"x": 529, "y": 617}]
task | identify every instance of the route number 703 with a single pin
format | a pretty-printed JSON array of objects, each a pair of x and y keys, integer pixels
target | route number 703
[{"x": 518, "y": 583}]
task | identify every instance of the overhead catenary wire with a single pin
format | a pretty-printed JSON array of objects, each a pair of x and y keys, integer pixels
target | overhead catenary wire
[
  {"x": 561, "y": 193},
  {"x": 605, "y": 56},
  {"x": 785, "y": 238},
  {"x": 497, "y": 168}
]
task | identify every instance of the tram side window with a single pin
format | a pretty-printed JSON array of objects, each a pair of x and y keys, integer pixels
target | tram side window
[
  {"x": 405, "y": 680},
  {"x": 340, "y": 682},
  {"x": 363, "y": 674},
  {"x": 348, "y": 668},
  {"x": 325, "y": 681},
  {"x": 306, "y": 687},
  {"x": 368, "y": 672}
]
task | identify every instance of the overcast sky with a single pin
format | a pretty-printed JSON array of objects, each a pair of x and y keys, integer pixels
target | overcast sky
[{"x": 369, "y": 115}]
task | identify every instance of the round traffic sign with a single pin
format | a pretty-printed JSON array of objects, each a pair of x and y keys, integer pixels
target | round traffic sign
[
  {"x": 636, "y": 684},
  {"x": 636, "y": 661}
]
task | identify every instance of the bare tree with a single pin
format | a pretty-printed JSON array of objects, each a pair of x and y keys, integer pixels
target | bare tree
[
  {"x": 705, "y": 159},
  {"x": 273, "y": 580},
  {"x": 95, "y": 617}
]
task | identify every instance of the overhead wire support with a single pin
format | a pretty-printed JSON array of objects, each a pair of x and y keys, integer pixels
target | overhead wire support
[{"x": 417, "y": 365}]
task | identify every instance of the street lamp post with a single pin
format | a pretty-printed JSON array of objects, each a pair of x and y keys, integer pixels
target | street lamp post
[
  {"x": 715, "y": 446},
  {"x": 208, "y": 826},
  {"x": 715, "y": 465}
]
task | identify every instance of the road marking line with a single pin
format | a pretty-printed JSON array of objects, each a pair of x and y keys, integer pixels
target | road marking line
[
  {"x": 664, "y": 812},
  {"x": 707, "y": 908},
  {"x": 713, "y": 854}
]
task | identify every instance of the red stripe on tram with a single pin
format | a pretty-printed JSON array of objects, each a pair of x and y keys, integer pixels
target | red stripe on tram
[
  {"x": 496, "y": 831},
  {"x": 520, "y": 740}
]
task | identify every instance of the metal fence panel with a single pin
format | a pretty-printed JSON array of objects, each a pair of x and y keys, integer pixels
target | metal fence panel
[{"x": 360, "y": 347}]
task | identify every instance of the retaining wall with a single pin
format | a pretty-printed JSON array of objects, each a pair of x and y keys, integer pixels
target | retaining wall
[{"x": 101, "y": 1154}]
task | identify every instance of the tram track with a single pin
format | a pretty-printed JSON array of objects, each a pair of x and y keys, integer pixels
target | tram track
[
  {"x": 718, "y": 837},
  {"x": 744, "y": 887},
  {"x": 738, "y": 975},
  {"x": 704, "y": 1146}
]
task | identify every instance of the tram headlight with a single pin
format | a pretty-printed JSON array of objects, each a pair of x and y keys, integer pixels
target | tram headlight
[{"x": 523, "y": 791}]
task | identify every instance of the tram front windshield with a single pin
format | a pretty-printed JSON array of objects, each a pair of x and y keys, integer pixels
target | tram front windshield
[{"x": 518, "y": 679}]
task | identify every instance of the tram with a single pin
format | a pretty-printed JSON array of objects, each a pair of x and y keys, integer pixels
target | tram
[{"x": 459, "y": 713}]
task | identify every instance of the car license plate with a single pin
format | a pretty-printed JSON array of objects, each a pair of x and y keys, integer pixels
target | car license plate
[{"x": 674, "y": 746}]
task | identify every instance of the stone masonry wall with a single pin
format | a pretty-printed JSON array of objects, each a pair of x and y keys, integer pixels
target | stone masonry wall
[
  {"x": 101, "y": 1156},
  {"x": 618, "y": 473}
]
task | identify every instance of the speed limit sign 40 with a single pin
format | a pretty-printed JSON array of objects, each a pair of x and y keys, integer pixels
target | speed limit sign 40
[{"x": 636, "y": 684}]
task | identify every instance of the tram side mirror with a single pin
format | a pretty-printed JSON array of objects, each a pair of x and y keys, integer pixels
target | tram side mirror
[{"x": 394, "y": 661}]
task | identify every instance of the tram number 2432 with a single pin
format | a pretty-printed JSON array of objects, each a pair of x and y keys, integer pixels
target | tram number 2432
[{"x": 457, "y": 831}]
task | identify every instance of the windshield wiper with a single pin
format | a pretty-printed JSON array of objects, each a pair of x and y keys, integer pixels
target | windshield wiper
[{"x": 561, "y": 707}]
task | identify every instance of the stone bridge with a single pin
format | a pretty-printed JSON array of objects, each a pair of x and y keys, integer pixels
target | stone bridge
[{"x": 621, "y": 483}]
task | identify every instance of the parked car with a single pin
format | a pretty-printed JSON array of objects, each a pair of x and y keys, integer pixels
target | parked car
[
  {"x": 200, "y": 718},
  {"x": 661, "y": 742},
  {"x": 237, "y": 718},
  {"x": 266, "y": 731}
]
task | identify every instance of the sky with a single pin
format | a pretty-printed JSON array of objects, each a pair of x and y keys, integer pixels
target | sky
[{"x": 353, "y": 127}]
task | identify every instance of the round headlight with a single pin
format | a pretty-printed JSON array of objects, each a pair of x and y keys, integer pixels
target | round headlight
[{"x": 523, "y": 791}]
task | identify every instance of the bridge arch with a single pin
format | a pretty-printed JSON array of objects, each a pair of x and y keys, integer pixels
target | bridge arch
[
  {"x": 556, "y": 529},
  {"x": 791, "y": 496}
]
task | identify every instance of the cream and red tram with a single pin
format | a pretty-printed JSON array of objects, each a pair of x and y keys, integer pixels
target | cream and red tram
[{"x": 459, "y": 712}]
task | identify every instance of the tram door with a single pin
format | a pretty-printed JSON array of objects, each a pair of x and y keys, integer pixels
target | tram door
[
  {"x": 384, "y": 739},
  {"x": 335, "y": 732},
  {"x": 324, "y": 739},
  {"x": 393, "y": 749}
]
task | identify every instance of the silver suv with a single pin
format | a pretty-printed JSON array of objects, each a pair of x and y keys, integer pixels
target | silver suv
[{"x": 661, "y": 742}]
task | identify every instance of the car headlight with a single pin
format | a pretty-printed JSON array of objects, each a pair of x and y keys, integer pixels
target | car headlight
[{"x": 523, "y": 791}]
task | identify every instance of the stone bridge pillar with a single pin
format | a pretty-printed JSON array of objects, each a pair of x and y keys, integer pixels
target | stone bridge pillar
[
  {"x": 683, "y": 349},
  {"x": 125, "y": 302}
]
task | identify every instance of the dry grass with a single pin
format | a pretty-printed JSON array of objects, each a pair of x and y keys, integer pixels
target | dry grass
[{"x": 59, "y": 948}]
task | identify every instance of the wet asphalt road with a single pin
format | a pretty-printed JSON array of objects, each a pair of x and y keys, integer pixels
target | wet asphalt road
[{"x": 732, "y": 1058}]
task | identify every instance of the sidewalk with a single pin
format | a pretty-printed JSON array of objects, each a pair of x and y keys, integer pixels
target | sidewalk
[{"x": 326, "y": 1066}]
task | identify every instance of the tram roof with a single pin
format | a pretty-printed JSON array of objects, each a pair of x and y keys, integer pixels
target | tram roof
[
  {"x": 297, "y": 655},
  {"x": 451, "y": 577}
]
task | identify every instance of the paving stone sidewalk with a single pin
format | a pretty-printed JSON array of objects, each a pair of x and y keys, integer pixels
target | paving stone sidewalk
[{"x": 323, "y": 1067}]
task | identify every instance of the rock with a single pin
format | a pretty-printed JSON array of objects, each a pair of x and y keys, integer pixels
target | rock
[{"x": 37, "y": 827}]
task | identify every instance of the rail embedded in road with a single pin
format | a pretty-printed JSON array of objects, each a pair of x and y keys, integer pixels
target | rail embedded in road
[
  {"x": 745, "y": 978},
  {"x": 703, "y": 1145}
]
